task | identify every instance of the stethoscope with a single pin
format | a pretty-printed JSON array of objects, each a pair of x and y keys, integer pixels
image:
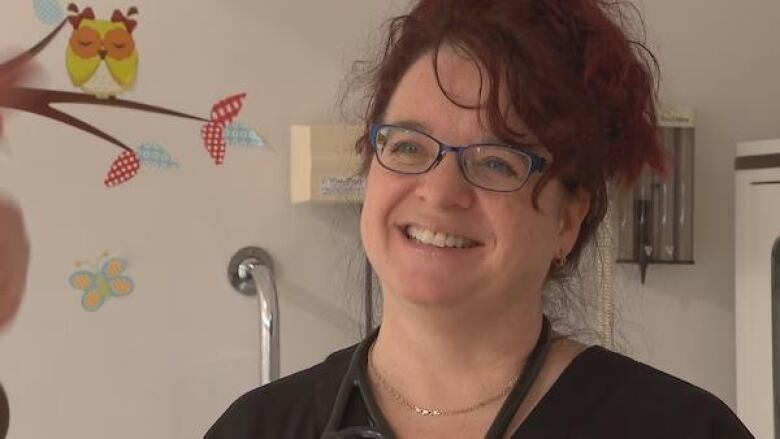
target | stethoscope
[{"x": 356, "y": 414}]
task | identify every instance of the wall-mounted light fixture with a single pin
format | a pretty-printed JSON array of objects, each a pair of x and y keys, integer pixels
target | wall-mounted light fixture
[{"x": 655, "y": 221}]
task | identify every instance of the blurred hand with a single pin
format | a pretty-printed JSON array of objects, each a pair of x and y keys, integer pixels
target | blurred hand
[
  {"x": 14, "y": 259},
  {"x": 14, "y": 246},
  {"x": 10, "y": 74}
]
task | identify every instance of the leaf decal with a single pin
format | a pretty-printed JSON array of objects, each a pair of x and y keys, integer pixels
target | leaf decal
[
  {"x": 49, "y": 11},
  {"x": 238, "y": 134},
  {"x": 214, "y": 141},
  {"x": 124, "y": 168},
  {"x": 226, "y": 110},
  {"x": 153, "y": 155}
]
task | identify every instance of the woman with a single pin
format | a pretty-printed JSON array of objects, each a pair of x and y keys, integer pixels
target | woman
[{"x": 493, "y": 129}]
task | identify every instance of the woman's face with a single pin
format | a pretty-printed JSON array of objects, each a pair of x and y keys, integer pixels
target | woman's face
[{"x": 512, "y": 243}]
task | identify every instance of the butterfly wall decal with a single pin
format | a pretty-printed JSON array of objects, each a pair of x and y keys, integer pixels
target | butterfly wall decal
[{"x": 101, "y": 282}]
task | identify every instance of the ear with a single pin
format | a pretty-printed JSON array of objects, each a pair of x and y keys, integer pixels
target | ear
[
  {"x": 573, "y": 210},
  {"x": 119, "y": 17},
  {"x": 75, "y": 20}
]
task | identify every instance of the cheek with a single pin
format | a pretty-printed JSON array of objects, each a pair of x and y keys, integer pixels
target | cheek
[
  {"x": 375, "y": 206},
  {"x": 384, "y": 197},
  {"x": 384, "y": 189},
  {"x": 524, "y": 233}
]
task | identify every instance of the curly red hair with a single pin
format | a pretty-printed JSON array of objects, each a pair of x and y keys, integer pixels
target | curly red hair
[{"x": 571, "y": 72}]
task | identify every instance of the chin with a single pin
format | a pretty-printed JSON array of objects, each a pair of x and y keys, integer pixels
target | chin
[{"x": 432, "y": 292}]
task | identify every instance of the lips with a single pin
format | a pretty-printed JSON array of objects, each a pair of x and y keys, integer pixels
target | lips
[{"x": 437, "y": 238}]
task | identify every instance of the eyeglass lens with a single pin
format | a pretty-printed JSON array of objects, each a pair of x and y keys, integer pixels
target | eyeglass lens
[{"x": 493, "y": 167}]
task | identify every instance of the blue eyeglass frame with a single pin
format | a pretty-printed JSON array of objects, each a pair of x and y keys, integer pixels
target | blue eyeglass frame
[{"x": 537, "y": 162}]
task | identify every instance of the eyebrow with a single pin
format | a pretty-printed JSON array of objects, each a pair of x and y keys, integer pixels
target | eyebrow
[{"x": 421, "y": 126}]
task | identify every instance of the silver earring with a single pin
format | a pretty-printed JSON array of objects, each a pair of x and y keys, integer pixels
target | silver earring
[{"x": 560, "y": 261}]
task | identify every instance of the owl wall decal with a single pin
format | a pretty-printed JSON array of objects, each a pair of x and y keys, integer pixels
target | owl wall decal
[{"x": 101, "y": 57}]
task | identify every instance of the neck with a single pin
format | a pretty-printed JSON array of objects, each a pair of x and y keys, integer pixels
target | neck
[{"x": 422, "y": 350}]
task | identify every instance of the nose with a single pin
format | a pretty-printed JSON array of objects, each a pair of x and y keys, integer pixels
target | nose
[
  {"x": 445, "y": 186},
  {"x": 102, "y": 53}
]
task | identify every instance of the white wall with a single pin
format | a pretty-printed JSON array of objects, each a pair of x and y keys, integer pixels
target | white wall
[{"x": 721, "y": 58}]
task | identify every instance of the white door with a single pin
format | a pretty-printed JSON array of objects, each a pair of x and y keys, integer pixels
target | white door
[
  {"x": 166, "y": 359},
  {"x": 757, "y": 238}
]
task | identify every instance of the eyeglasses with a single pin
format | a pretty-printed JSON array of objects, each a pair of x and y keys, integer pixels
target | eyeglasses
[{"x": 493, "y": 167}]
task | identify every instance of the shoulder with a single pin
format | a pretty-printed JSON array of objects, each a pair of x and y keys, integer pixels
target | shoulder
[
  {"x": 648, "y": 402},
  {"x": 628, "y": 375},
  {"x": 296, "y": 406},
  {"x": 602, "y": 395}
]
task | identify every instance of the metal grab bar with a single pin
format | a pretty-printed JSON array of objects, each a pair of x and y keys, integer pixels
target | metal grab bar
[
  {"x": 251, "y": 273},
  {"x": 269, "y": 323}
]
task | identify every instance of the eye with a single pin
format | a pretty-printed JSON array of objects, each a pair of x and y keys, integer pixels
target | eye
[
  {"x": 85, "y": 43},
  {"x": 404, "y": 147},
  {"x": 119, "y": 43},
  {"x": 498, "y": 165}
]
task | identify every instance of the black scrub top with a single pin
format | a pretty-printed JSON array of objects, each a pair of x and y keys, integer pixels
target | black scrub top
[
  {"x": 600, "y": 395},
  {"x": 4, "y": 413}
]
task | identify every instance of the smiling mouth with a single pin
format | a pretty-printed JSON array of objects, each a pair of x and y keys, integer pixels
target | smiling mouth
[{"x": 438, "y": 239}]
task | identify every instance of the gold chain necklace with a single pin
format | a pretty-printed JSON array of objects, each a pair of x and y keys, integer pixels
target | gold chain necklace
[{"x": 398, "y": 397}]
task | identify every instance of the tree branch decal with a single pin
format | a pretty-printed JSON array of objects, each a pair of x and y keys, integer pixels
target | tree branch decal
[{"x": 126, "y": 164}]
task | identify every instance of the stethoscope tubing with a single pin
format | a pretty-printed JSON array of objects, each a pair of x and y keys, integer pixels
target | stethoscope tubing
[{"x": 356, "y": 376}]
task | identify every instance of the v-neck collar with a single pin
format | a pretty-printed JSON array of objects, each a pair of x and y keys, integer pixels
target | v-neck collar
[{"x": 359, "y": 367}]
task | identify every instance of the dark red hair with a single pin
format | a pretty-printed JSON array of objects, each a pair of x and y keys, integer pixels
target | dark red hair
[{"x": 578, "y": 81}]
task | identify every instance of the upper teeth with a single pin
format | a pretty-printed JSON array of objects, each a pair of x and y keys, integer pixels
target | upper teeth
[{"x": 438, "y": 239}]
